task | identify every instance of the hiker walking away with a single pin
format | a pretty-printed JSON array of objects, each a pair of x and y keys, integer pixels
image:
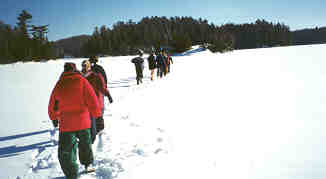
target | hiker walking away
[
  {"x": 151, "y": 64},
  {"x": 161, "y": 64},
  {"x": 169, "y": 61},
  {"x": 165, "y": 57},
  {"x": 157, "y": 53},
  {"x": 71, "y": 103},
  {"x": 139, "y": 65},
  {"x": 98, "y": 68},
  {"x": 97, "y": 82}
]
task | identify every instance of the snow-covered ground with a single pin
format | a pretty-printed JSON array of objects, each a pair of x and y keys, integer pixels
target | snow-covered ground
[{"x": 245, "y": 114}]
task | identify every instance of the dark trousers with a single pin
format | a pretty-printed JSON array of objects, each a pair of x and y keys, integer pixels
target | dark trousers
[
  {"x": 67, "y": 151},
  {"x": 93, "y": 126},
  {"x": 162, "y": 71},
  {"x": 93, "y": 129},
  {"x": 158, "y": 71}
]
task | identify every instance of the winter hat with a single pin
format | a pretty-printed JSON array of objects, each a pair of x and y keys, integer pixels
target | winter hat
[
  {"x": 93, "y": 59},
  {"x": 70, "y": 67}
]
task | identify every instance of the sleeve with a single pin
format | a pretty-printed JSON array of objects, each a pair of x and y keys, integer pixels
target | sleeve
[
  {"x": 53, "y": 109},
  {"x": 101, "y": 84},
  {"x": 104, "y": 75},
  {"x": 91, "y": 99}
]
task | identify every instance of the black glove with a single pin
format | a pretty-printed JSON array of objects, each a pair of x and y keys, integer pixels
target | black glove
[
  {"x": 55, "y": 123},
  {"x": 99, "y": 124},
  {"x": 110, "y": 98}
]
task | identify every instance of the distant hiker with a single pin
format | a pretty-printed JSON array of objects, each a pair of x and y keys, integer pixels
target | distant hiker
[
  {"x": 151, "y": 64},
  {"x": 161, "y": 64},
  {"x": 166, "y": 60},
  {"x": 139, "y": 65},
  {"x": 71, "y": 103},
  {"x": 97, "y": 82},
  {"x": 157, "y": 53},
  {"x": 169, "y": 61},
  {"x": 98, "y": 68}
]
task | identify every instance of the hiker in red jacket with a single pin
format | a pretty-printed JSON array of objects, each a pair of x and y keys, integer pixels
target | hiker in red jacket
[
  {"x": 72, "y": 101},
  {"x": 98, "y": 84}
]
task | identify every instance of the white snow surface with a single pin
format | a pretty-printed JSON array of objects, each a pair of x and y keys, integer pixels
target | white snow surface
[{"x": 246, "y": 114}]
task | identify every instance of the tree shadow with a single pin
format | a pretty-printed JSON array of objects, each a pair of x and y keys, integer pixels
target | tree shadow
[
  {"x": 22, "y": 135},
  {"x": 122, "y": 83},
  {"x": 126, "y": 82},
  {"x": 14, "y": 150}
]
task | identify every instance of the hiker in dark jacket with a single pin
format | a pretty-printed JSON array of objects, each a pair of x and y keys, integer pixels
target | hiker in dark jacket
[
  {"x": 151, "y": 64},
  {"x": 161, "y": 64},
  {"x": 97, "y": 82},
  {"x": 98, "y": 68},
  {"x": 139, "y": 65}
]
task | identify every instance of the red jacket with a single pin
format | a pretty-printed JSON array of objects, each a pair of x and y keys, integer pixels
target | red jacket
[
  {"x": 98, "y": 84},
  {"x": 72, "y": 101}
]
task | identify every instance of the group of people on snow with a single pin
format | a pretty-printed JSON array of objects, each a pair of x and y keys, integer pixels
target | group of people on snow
[
  {"x": 77, "y": 105},
  {"x": 160, "y": 61}
]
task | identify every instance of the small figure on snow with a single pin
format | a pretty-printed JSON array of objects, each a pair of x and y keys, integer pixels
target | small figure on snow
[
  {"x": 169, "y": 61},
  {"x": 161, "y": 64},
  {"x": 139, "y": 65},
  {"x": 152, "y": 64}
]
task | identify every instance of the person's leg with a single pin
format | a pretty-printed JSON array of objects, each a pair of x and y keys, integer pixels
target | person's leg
[
  {"x": 67, "y": 154},
  {"x": 85, "y": 147},
  {"x": 166, "y": 70},
  {"x": 141, "y": 76},
  {"x": 93, "y": 129},
  {"x": 161, "y": 71}
]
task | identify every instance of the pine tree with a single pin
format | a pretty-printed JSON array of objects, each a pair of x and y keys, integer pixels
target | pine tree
[
  {"x": 23, "y": 19},
  {"x": 39, "y": 32}
]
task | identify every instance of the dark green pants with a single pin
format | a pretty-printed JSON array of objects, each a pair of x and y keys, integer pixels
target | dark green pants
[{"x": 67, "y": 151}]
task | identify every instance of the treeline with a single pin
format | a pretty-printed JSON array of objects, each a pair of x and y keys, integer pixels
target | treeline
[
  {"x": 259, "y": 34},
  {"x": 24, "y": 42},
  {"x": 179, "y": 33},
  {"x": 309, "y": 36}
]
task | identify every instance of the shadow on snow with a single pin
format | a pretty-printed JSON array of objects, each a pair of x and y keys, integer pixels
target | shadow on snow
[
  {"x": 14, "y": 150},
  {"x": 125, "y": 82},
  {"x": 22, "y": 135},
  {"x": 190, "y": 52}
]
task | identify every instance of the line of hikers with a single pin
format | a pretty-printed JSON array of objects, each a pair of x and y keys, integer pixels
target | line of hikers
[
  {"x": 77, "y": 105},
  {"x": 160, "y": 61}
]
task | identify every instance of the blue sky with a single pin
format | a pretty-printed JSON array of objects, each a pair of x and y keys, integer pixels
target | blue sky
[{"x": 75, "y": 17}]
